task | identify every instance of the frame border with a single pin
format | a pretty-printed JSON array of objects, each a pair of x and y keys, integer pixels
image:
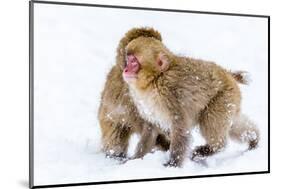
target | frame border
[{"x": 31, "y": 92}]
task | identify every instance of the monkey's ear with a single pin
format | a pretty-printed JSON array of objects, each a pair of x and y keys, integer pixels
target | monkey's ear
[{"x": 162, "y": 62}]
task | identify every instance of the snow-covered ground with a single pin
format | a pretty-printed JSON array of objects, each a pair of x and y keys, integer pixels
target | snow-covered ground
[{"x": 74, "y": 50}]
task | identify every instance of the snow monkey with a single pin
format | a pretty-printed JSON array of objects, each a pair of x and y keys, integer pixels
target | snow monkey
[
  {"x": 176, "y": 93},
  {"x": 118, "y": 116}
]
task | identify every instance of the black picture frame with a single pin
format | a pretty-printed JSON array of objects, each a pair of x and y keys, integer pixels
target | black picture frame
[{"x": 31, "y": 92}]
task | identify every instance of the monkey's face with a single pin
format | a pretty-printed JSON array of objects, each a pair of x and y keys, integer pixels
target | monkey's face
[{"x": 146, "y": 59}]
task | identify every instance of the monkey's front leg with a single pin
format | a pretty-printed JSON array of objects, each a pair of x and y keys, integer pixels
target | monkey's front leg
[
  {"x": 147, "y": 141},
  {"x": 115, "y": 140},
  {"x": 179, "y": 140}
]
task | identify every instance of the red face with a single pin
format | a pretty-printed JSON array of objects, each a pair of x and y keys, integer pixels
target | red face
[
  {"x": 132, "y": 67},
  {"x": 146, "y": 59}
]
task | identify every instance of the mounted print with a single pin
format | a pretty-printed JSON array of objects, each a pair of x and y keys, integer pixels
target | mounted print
[{"x": 126, "y": 94}]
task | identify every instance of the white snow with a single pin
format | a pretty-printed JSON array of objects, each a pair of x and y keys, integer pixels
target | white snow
[{"x": 74, "y": 50}]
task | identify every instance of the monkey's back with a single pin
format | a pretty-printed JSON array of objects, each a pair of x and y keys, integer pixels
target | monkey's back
[{"x": 196, "y": 82}]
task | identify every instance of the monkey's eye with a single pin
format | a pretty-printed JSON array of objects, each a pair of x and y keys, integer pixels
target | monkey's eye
[
  {"x": 126, "y": 57},
  {"x": 129, "y": 58},
  {"x": 126, "y": 61}
]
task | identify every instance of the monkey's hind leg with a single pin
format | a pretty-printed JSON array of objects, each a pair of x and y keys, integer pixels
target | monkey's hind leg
[
  {"x": 215, "y": 121},
  {"x": 115, "y": 140},
  {"x": 244, "y": 130}
]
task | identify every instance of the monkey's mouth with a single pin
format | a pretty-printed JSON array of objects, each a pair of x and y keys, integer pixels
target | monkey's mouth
[{"x": 132, "y": 68}]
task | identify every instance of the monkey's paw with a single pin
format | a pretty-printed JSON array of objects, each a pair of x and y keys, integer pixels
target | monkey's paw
[
  {"x": 117, "y": 156},
  {"x": 172, "y": 163},
  {"x": 201, "y": 152}
]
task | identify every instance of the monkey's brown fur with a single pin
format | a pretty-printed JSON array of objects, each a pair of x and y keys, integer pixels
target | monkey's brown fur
[
  {"x": 177, "y": 93},
  {"x": 118, "y": 116}
]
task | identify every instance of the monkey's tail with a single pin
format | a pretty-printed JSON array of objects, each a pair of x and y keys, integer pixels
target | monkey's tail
[
  {"x": 242, "y": 77},
  {"x": 244, "y": 130}
]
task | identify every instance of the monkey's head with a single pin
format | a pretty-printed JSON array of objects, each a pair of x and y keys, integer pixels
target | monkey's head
[
  {"x": 146, "y": 59},
  {"x": 132, "y": 34}
]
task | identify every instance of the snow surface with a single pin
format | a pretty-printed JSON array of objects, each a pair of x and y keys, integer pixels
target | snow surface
[{"x": 74, "y": 50}]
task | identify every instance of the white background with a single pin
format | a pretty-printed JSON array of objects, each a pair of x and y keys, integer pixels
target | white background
[
  {"x": 14, "y": 92},
  {"x": 73, "y": 51}
]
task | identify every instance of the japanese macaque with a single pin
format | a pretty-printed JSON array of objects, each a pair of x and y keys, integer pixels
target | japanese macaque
[
  {"x": 118, "y": 116},
  {"x": 175, "y": 93}
]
